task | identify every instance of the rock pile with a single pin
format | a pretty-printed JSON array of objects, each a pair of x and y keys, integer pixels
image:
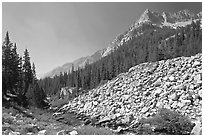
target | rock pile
[{"x": 175, "y": 84}]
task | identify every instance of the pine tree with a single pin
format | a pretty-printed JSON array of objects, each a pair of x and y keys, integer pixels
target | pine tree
[
  {"x": 21, "y": 98},
  {"x": 61, "y": 80},
  {"x": 34, "y": 72},
  {"x": 35, "y": 94},
  {"x": 78, "y": 82},
  {"x": 6, "y": 63},
  {"x": 27, "y": 71},
  {"x": 16, "y": 68},
  {"x": 72, "y": 76},
  {"x": 10, "y": 66},
  {"x": 7, "y": 39}
]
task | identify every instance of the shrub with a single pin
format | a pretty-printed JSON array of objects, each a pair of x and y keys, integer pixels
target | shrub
[{"x": 166, "y": 122}]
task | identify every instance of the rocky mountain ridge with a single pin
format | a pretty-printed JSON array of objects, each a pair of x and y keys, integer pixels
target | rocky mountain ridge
[
  {"x": 161, "y": 18},
  {"x": 172, "y": 20},
  {"x": 175, "y": 84}
]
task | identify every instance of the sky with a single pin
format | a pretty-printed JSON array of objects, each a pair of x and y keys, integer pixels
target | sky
[{"x": 57, "y": 33}]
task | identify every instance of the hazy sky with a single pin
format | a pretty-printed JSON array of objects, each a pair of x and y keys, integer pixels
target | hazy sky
[{"x": 57, "y": 33}]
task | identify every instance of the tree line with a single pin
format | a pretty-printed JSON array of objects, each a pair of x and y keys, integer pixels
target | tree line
[
  {"x": 155, "y": 44},
  {"x": 19, "y": 81}
]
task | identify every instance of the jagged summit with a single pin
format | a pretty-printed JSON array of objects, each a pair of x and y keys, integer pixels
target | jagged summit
[
  {"x": 166, "y": 17},
  {"x": 149, "y": 16},
  {"x": 147, "y": 11}
]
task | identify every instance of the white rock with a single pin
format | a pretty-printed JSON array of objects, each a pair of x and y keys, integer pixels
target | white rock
[
  {"x": 185, "y": 77},
  {"x": 171, "y": 70},
  {"x": 158, "y": 91},
  {"x": 74, "y": 132},
  {"x": 200, "y": 93},
  {"x": 122, "y": 110},
  {"x": 198, "y": 78},
  {"x": 60, "y": 132},
  {"x": 118, "y": 129},
  {"x": 118, "y": 114},
  {"x": 168, "y": 84},
  {"x": 42, "y": 132},
  {"x": 180, "y": 104},
  {"x": 197, "y": 129},
  {"x": 14, "y": 133},
  {"x": 159, "y": 104},
  {"x": 171, "y": 78},
  {"x": 126, "y": 119},
  {"x": 95, "y": 103},
  {"x": 126, "y": 97},
  {"x": 105, "y": 119},
  {"x": 186, "y": 101},
  {"x": 167, "y": 106},
  {"x": 173, "y": 96},
  {"x": 145, "y": 109},
  {"x": 196, "y": 63},
  {"x": 165, "y": 78},
  {"x": 174, "y": 105},
  {"x": 87, "y": 106},
  {"x": 56, "y": 113}
]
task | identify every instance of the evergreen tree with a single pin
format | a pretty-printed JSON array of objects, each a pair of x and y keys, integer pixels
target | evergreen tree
[
  {"x": 61, "y": 79},
  {"x": 6, "y": 63},
  {"x": 72, "y": 76},
  {"x": 10, "y": 66},
  {"x": 35, "y": 94},
  {"x": 16, "y": 68},
  {"x": 21, "y": 85},
  {"x": 27, "y": 71},
  {"x": 34, "y": 72}
]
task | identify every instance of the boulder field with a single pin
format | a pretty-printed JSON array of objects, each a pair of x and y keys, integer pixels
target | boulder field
[{"x": 175, "y": 84}]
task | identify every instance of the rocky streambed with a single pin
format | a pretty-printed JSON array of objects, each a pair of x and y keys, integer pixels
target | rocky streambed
[
  {"x": 33, "y": 121},
  {"x": 119, "y": 104}
]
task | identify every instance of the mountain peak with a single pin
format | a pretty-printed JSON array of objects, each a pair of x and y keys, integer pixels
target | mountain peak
[
  {"x": 147, "y": 11},
  {"x": 149, "y": 16},
  {"x": 145, "y": 17}
]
